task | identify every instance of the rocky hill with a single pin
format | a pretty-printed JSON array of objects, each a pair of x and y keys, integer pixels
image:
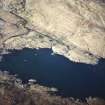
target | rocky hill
[{"x": 73, "y": 28}]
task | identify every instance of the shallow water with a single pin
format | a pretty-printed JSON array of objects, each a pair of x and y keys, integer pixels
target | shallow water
[{"x": 72, "y": 79}]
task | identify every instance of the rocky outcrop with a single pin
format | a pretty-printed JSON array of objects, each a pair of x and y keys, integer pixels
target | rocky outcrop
[{"x": 73, "y": 28}]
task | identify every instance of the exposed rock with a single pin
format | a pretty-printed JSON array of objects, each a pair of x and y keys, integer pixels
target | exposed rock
[
  {"x": 73, "y": 28},
  {"x": 34, "y": 40}
]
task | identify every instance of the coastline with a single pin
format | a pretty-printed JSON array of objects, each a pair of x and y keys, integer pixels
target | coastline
[{"x": 35, "y": 93}]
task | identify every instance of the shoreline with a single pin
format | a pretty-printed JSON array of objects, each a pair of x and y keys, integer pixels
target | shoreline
[{"x": 45, "y": 93}]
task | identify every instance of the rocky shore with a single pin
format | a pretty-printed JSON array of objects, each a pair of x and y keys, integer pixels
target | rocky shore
[
  {"x": 14, "y": 92},
  {"x": 72, "y": 28}
]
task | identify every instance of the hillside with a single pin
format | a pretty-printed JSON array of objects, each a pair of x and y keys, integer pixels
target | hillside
[{"x": 73, "y": 28}]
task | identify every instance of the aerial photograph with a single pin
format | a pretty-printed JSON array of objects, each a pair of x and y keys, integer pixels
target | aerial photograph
[{"x": 52, "y": 52}]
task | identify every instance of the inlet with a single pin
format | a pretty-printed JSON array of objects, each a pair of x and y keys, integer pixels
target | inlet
[{"x": 71, "y": 79}]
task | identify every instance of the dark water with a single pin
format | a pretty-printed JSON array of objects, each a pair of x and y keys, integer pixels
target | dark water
[{"x": 72, "y": 79}]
